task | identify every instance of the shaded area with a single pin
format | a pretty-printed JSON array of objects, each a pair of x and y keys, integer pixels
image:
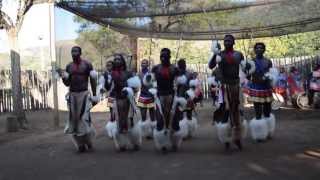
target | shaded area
[{"x": 200, "y": 20}]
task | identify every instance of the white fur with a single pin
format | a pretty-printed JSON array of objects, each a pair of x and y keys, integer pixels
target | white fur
[
  {"x": 162, "y": 139},
  {"x": 215, "y": 47},
  {"x": 181, "y": 102},
  {"x": 129, "y": 91},
  {"x": 154, "y": 84},
  {"x": 65, "y": 75},
  {"x": 271, "y": 122},
  {"x": 182, "y": 79},
  {"x": 111, "y": 128},
  {"x": 94, "y": 74},
  {"x": 192, "y": 126},
  {"x": 224, "y": 132},
  {"x": 218, "y": 59},
  {"x": 212, "y": 81},
  {"x": 135, "y": 137},
  {"x": 242, "y": 77},
  {"x": 146, "y": 128},
  {"x": 184, "y": 128},
  {"x": 244, "y": 129},
  {"x": 150, "y": 83},
  {"x": 194, "y": 83},
  {"x": 191, "y": 94},
  {"x": 153, "y": 91},
  {"x": 177, "y": 138},
  {"x": 101, "y": 80},
  {"x": 272, "y": 74},
  {"x": 252, "y": 66},
  {"x": 134, "y": 82},
  {"x": 121, "y": 140},
  {"x": 258, "y": 129}
]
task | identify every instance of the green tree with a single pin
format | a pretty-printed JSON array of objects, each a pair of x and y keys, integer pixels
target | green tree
[{"x": 100, "y": 42}]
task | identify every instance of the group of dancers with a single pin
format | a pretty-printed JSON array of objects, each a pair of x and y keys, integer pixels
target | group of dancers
[{"x": 159, "y": 103}]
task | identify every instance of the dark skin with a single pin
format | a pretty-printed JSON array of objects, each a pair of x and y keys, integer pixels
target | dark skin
[
  {"x": 165, "y": 57},
  {"x": 109, "y": 66},
  {"x": 145, "y": 64},
  {"x": 76, "y": 57},
  {"x": 228, "y": 43},
  {"x": 259, "y": 50}
]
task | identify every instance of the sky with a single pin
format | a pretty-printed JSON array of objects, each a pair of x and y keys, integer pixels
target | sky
[
  {"x": 65, "y": 26},
  {"x": 35, "y": 29}
]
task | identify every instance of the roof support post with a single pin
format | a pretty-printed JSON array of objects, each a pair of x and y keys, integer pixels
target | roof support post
[{"x": 134, "y": 53}]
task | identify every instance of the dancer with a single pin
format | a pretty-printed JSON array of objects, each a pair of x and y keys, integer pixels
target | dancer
[
  {"x": 111, "y": 125},
  {"x": 146, "y": 100},
  {"x": 260, "y": 93},
  {"x": 185, "y": 92},
  {"x": 166, "y": 134},
  {"x": 228, "y": 62},
  {"x": 124, "y": 84},
  {"x": 79, "y": 100}
]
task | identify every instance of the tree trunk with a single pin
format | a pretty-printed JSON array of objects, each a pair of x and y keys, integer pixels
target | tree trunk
[
  {"x": 16, "y": 78},
  {"x": 134, "y": 51}
]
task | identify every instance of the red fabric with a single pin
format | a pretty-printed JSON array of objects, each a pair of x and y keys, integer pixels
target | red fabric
[
  {"x": 116, "y": 73},
  {"x": 293, "y": 88},
  {"x": 229, "y": 57},
  {"x": 260, "y": 93},
  {"x": 76, "y": 65},
  {"x": 165, "y": 72}
]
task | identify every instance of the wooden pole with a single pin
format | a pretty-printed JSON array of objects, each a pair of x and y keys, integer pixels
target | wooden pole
[
  {"x": 134, "y": 51},
  {"x": 53, "y": 66}
]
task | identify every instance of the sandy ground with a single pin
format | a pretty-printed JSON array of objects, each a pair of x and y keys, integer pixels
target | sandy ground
[{"x": 43, "y": 152}]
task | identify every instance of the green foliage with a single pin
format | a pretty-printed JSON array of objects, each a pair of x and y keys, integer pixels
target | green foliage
[{"x": 99, "y": 42}]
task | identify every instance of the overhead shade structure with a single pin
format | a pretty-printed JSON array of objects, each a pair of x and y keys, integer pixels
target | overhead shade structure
[{"x": 200, "y": 19}]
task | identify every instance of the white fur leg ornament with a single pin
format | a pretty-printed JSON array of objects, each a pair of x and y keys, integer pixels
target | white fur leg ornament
[
  {"x": 224, "y": 132},
  {"x": 184, "y": 128},
  {"x": 111, "y": 128},
  {"x": 177, "y": 138},
  {"x": 146, "y": 128},
  {"x": 192, "y": 126},
  {"x": 259, "y": 129},
  {"x": 85, "y": 139},
  {"x": 135, "y": 136},
  {"x": 244, "y": 129},
  {"x": 271, "y": 122},
  {"x": 121, "y": 141},
  {"x": 162, "y": 139}
]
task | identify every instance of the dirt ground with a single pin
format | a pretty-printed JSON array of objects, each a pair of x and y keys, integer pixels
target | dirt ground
[{"x": 42, "y": 152}]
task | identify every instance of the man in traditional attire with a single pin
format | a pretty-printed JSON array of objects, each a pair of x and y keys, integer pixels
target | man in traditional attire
[
  {"x": 123, "y": 83},
  {"x": 228, "y": 62},
  {"x": 76, "y": 77},
  {"x": 166, "y": 134},
  {"x": 146, "y": 100},
  {"x": 260, "y": 93}
]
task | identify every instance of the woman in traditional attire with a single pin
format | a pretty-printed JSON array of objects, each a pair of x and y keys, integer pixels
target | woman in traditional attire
[
  {"x": 146, "y": 100},
  {"x": 260, "y": 93}
]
